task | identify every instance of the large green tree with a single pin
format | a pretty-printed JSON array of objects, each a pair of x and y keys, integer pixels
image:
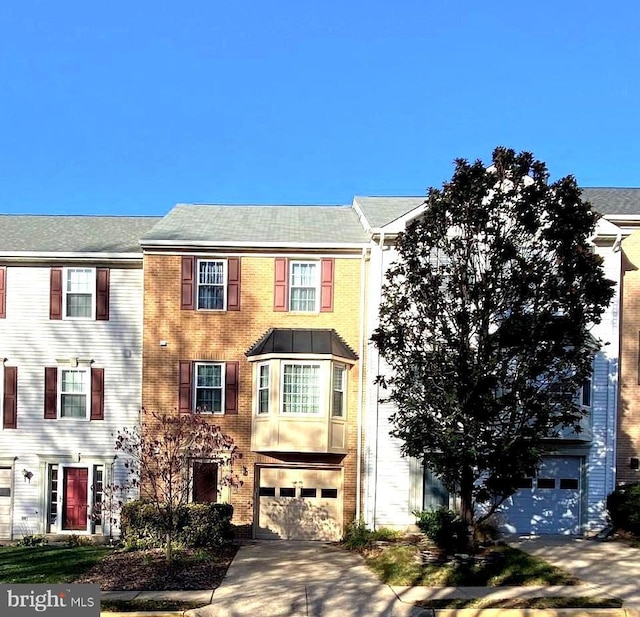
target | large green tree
[{"x": 485, "y": 324}]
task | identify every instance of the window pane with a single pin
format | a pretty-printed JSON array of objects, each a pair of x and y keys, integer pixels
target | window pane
[
  {"x": 301, "y": 391},
  {"x": 73, "y": 406},
  {"x": 263, "y": 389},
  {"x": 209, "y": 399},
  {"x": 79, "y": 288},
  {"x": 303, "y": 284},
  {"x": 211, "y": 285},
  {"x": 337, "y": 409},
  {"x": 210, "y": 375}
]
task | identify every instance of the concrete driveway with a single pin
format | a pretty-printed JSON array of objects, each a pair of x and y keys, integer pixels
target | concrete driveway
[
  {"x": 311, "y": 579},
  {"x": 609, "y": 565}
]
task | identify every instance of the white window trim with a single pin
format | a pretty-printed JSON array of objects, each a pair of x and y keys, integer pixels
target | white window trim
[
  {"x": 87, "y": 372},
  {"x": 322, "y": 376},
  {"x": 267, "y": 388},
  {"x": 224, "y": 285},
  {"x": 318, "y": 267},
  {"x": 62, "y": 495},
  {"x": 65, "y": 272},
  {"x": 223, "y": 381},
  {"x": 343, "y": 389}
]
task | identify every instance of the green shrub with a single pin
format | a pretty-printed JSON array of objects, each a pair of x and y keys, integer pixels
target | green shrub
[
  {"x": 444, "y": 528},
  {"x": 357, "y": 535},
  {"x": 33, "y": 540},
  {"x": 197, "y": 525},
  {"x": 624, "y": 508}
]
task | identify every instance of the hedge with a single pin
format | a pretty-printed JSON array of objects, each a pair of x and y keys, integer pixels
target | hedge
[
  {"x": 197, "y": 525},
  {"x": 624, "y": 508}
]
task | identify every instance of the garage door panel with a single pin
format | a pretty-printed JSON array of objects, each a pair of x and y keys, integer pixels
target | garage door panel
[
  {"x": 300, "y": 504},
  {"x": 552, "y": 503}
]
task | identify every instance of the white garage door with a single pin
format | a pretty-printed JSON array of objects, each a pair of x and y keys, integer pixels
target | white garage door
[
  {"x": 5, "y": 503},
  {"x": 300, "y": 504},
  {"x": 548, "y": 503}
]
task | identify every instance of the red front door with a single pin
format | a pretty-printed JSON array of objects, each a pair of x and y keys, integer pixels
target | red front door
[{"x": 75, "y": 498}]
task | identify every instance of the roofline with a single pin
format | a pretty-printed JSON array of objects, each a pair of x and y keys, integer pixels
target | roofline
[
  {"x": 621, "y": 217},
  {"x": 258, "y": 245},
  {"x": 74, "y": 256}
]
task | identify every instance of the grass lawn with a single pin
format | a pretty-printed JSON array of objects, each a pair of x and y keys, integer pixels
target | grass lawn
[
  {"x": 47, "y": 564},
  {"x": 400, "y": 564}
]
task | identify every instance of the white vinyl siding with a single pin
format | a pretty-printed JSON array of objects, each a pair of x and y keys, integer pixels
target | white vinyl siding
[{"x": 31, "y": 341}]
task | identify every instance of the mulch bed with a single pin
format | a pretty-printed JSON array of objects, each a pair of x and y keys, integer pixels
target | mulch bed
[{"x": 148, "y": 570}]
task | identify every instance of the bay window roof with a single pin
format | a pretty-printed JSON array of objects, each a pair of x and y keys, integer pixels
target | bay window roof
[{"x": 306, "y": 341}]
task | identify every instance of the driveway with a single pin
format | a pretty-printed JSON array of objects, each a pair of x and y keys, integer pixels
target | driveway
[
  {"x": 610, "y": 565},
  {"x": 308, "y": 579}
]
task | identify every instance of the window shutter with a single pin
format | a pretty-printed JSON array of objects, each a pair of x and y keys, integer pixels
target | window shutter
[
  {"x": 185, "y": 390},
  {"x": 231, "y": 387},
  {"x": 233, "y": 284},
  {"x": 10, "y": 403},
  {"x": 188, "y": 283},
  {"x": 326, "y": 285},
  {"x": 3, "y": 292},
  {"x": 55, "y": 294},
  {"x": 281, "y": 284},
  {"x": 50, "y": 393},
  {"x": 102, "y": 294},
  {"x": 97, "y": 394}
]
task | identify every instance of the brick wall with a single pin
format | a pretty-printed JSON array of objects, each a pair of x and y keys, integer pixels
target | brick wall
[{"x": 226, "y": 336}]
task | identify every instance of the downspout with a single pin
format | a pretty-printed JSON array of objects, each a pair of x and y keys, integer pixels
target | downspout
[{"x": 361, "y": 406}]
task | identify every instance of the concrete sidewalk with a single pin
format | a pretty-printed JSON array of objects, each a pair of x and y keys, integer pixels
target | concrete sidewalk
[
  {"x": 316, "y": 579},
  {"x": 608, "y": 565}
]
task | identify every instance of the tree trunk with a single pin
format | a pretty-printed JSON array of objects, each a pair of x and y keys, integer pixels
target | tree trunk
[
  {"x": 168, "y": 549},
  {"x": 466, "y": 506}
]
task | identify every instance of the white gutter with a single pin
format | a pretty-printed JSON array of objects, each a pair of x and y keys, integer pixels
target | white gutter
[
  {"x": 150, "y": 244},
  {"x": 42, "y": 255},
  {"x": 361, "y": 406}
]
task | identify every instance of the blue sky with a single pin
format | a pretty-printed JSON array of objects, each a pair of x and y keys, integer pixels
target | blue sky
[{"x": 129, "y": 107}]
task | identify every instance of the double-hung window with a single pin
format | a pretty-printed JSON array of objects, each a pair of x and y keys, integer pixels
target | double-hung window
[
  {"x": 79, "y": 292},
  {"x": 74, "y": 392},
  {"x": 304, "y": 286},
  {"x": 263, "y": 389},
  {"x": 209, "y": 387},
  {"x": 338, "y": 387},
  {"x": 211, "y": 284},
  {"x": 301, "y": 388}
]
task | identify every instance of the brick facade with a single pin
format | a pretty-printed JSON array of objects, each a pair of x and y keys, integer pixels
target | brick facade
[{"x": 227, "y": 335}]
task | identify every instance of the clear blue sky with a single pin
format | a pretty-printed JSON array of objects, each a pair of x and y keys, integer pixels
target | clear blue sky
[{"x": 121, "y": 107}]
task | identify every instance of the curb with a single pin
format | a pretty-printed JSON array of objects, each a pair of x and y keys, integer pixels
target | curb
[{"x": 531, "y": 612}]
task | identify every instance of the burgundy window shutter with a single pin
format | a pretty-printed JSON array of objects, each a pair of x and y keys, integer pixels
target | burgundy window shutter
[
  {"x": 231, "y": 387},
  {"x": 326, "y": 285},
  {"x": 50, "y": 393},
  {"x": 188, "y": 283},
  {"x": 55, "y": 294},
  {"x": 10, "y": 403},
  {"x": 233, "y": 284},
  {"x": 185, "y": 389},
  {"x": 281, "y": 284},
  {"x": 102, "y": 294},
  {"x": 3, "y": 292},
  {"x": 97, "y": 394}
]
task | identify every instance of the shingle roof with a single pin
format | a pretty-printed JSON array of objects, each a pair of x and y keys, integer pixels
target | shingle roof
[
  {"x": 380, "y": 211},
  {"x": 302, "y": 341},
  {"x": 613, "y": 200},
  {"x": 72, "y": 234},
  {"x": 268, "y": 225}
]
